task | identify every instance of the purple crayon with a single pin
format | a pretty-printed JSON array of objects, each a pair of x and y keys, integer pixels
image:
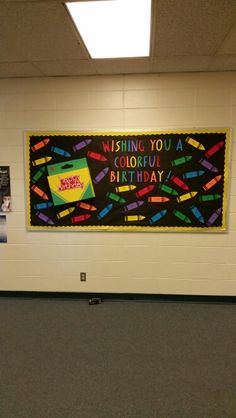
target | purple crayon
[
  {"x": 81, "y": 144},
  {"x": 101, "y": 175},
  {"x": 44, "y": 218},
  {"x": 133, "y": 205},
  {"x": 214, "y": 216},
  {"x": 208, "y": 165}
]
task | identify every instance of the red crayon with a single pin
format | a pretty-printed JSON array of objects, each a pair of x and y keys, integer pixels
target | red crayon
[
  {"x": 40, "y": 144},
  {"x": 39, "y": 192},
  {"x": 144, "y": 191},
  {"x": 96, "y": 156},
  {"x": 86, "y": 206},
  {"x": 179, "y": 183},
  {"x": 80, "y": 218},
  {"x": 214, "y": 149}
]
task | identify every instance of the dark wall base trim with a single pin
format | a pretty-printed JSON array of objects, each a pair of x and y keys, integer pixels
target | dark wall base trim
[{"x": 119, "y": 297}]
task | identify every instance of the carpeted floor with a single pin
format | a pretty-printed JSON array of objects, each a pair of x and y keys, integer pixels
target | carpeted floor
[{"x": 63, "y": 358}]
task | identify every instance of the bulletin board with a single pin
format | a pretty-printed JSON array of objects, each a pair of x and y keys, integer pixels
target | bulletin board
[{"x": 127, "y": 181}]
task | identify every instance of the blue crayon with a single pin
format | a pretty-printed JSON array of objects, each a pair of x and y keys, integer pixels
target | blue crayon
[
  {"x": 168, "y": 176},
  {"x": 197, "y": 214},
  {"x": 193, "y": 174},
  {"x": 157, "y": 216},
  {"x": 60, "y": 151},
  {"x": 105, "y": 211},
  {"x": 43, "y": 205}
]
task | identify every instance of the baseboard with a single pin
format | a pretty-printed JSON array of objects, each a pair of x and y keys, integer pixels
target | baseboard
[{"x": 119, "y": 296}]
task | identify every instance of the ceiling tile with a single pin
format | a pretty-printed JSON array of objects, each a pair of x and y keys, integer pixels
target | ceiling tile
[
  {"x": 122, "y": 66},
  {"x": 223, "y": 63},
  {"x": 229, "y": 44},
  {"x": 181, "y": 63},
  {"x": 66, "y": 67},
  {"x": 37, "y": 31},
  {"x": 195, "y": 27},
  {"x": 19, "y": 69}
]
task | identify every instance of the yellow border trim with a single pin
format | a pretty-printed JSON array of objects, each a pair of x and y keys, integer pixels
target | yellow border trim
[{"x": 100, "y": 228}]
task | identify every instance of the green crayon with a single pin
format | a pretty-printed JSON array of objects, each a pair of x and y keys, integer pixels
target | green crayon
[
  {"x": 181, "y": 160},
  {"x": 181, "y": 216},
  {"x": 116, "y": 197},
  {"x": 168, "y": 189},
  {"x": 38, "y": 174},
  {"x": 209, "y": 197}
]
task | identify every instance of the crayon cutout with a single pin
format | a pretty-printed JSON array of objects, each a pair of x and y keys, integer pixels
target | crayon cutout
[
  {"x": 115, "y": 197},
  {"x": 181, "y": 160},
  {"x": 44, "y": 218},
  {"x": 168, "y": 189},
  {"x": 186, "y": 196},
  {"x": 179, "y": 183},
  {"x": 128, "y": 188},
  {"x": 81, "y": 144},
  {"x": 195, "y": 143},
  {"x": 133, "y": 205},
  {"x": 214, "y": 149},
  {"x": 41, "y": 161},
  {"x": 159, "y": 215},
  {"x": 196, "y": 212},
  {"x": 208, "y": 165},
  {"x": 80, "y": 218},
  {"x": 181, "y": 216},
  {"x": 39, "y": 192},
  {"x": 60, "y": 151},
  {"x": 38, "y": 174},
  {"x": 214, "y": 217},
  {"x": 86, "y": 206},
  {"x": 65, "y": 212},
  {"x": 101, "y": 175},
  {"x": 144, "y": 190},
  {"x": 212, "y": 183},
  {"x": 168, "y": 176},
  {"x": 193, "y": 174},
  {"x": 158, "y": 199},
  {"x": 96, "y": 156},
  {"x": 43, "y": 205},
  {"x": 40, "y": 144},
  {"x": 134, "y": 218},
  {"x": 105, "y": 211},
  {"x": 209, "y": 197}
]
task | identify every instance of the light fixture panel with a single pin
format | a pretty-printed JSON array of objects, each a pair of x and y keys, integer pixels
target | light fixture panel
[{"x": 113, "y": 28}]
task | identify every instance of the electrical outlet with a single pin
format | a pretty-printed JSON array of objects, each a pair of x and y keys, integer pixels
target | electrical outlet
[{"x": 82, "y": 276}]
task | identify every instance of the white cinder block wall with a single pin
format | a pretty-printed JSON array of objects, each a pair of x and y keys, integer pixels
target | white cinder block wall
[{"x": 130, "y": 262}]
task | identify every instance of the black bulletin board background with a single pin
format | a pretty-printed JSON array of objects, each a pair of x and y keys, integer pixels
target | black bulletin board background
[{"x": 172, "y": 146}]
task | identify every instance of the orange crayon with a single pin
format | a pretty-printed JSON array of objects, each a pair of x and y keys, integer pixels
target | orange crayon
[
  {"x": 39, "y": 192},
  {"x": 40, "y": 144},
  {"x": 211, "y": 183},
  {"x": 158, "y": 199},
  {"x": 86, "y": 206}
]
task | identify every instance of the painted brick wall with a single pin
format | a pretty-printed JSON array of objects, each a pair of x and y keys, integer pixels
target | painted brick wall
[{"x": 170, "y": 263}]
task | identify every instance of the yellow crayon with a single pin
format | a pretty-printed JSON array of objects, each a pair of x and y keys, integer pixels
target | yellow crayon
[
  {"x": 125, "y": 188},
  {"x": 41, "y": 161},
  {"x": 195, "y": 143},
  {"x": 186, "y": 196},
  {"x": 64, "y": 212},
  {"x": 132, "y": 218}
]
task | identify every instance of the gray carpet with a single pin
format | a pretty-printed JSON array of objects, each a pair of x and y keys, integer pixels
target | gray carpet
[{"x": 124, "y": 359}]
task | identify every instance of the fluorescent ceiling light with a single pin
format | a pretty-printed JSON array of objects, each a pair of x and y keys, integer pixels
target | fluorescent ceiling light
[{"x": 113, "y": 28}]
